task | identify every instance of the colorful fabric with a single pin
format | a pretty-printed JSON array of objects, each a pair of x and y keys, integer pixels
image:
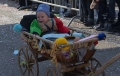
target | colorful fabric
[
  {"x": 60, "y": 26},
  {"x": 35, "y": 27},
  {"x": 48, "y": 25}
]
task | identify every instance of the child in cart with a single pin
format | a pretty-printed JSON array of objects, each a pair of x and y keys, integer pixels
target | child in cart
[{"x": 44, "y": 24}]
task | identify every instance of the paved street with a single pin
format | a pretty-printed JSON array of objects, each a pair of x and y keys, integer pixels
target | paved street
[{"x": 10, "y": 41}]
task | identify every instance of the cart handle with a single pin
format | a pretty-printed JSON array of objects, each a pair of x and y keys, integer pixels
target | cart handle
[
  {"x": 77, "y": 30},
  {"x": 38, "y": 37},
  {"x": 108, "y": 63}
]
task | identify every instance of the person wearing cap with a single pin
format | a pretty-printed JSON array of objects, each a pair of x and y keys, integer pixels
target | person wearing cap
[{"x": 45, "y": 24}]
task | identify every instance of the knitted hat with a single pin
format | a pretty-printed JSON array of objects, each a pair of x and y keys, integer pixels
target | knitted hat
[
  {"x": 45, "y": 8},
  {"x": 62, "y": 41}
]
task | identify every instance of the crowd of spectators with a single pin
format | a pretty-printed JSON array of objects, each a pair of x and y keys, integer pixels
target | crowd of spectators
[
  {"x": 107, "y": 7},
  {"x": 105, "y": 11}
]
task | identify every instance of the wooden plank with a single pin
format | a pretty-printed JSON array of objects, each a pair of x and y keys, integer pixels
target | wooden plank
[{"x": 72, "y": 68}]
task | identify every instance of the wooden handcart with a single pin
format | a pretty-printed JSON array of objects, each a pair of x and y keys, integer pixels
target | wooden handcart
[{"x": 28, "y": 57}]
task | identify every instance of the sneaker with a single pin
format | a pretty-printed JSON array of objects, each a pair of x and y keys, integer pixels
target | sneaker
[{"x": 99, "y": 27}]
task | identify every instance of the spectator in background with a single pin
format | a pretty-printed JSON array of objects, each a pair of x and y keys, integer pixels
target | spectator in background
[
  {"x": 116, "y": 26},
  {"x": 102, "y": 9},
  {"x": 111, "y": 15},
  {"x": 86, "y": 11},
  {"x": 111, "y": 10},
  {"x": 89, "y": 13}
]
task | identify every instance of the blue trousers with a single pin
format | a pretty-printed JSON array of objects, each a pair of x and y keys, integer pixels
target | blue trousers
[
  {"x": 111, "y": 9},
  {"x": 118, "y": 3},
  {"x": 102, "y": 10}
]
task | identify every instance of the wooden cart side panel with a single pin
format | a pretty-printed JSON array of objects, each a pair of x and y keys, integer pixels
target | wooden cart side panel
[{"x": 88, "y": 55}]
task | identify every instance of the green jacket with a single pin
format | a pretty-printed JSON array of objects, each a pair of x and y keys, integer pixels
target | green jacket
[{"x": 35, "y": 27}]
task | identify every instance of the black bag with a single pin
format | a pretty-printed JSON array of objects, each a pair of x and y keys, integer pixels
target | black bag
[{"x": 26, "y": 21}]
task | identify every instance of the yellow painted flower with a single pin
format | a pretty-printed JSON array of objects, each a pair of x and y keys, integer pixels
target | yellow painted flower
[{"x": 62, "y": 41}]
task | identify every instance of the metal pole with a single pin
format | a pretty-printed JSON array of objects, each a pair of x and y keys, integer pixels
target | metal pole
[
  {"x": 57, "y": 5},
  {"x": 79, "y": 7},
  {"x": 26, "y": 3}
]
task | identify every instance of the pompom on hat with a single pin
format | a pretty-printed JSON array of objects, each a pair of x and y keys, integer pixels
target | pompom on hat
[
  {"x": 17, "y": 28},
  {"x": 45, "y": 8}
]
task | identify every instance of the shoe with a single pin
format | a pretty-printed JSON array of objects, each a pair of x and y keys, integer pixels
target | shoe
[
  {"x": 117, "y": 33},
  {"x": 110, "y": 31},
  {"x": 112, "y": 21},
  {"x": 83, "y": 19},
  {"x": 117, "y": 28},
  {"x": 88, "y": 23},
  {"x": 18, "y": 7},
  {"x": 114, "y": 25},
  {"x": 99, "y": 27},
  {"x": 69, "y": 15}
]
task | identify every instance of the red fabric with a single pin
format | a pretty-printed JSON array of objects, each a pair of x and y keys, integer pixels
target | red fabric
[
  {"x": 96, "y": 42},
  {"x": 61, "y": 27}
]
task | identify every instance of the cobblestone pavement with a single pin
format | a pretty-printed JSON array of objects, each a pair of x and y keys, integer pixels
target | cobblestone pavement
[{"x": 10, "y": 41}]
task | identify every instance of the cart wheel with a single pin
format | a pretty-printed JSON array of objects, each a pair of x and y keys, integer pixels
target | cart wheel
[
  {"x": 27, "y": 62},
  {"x": 94, "y": 66},
  {"x": 52, "y": 71}
]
